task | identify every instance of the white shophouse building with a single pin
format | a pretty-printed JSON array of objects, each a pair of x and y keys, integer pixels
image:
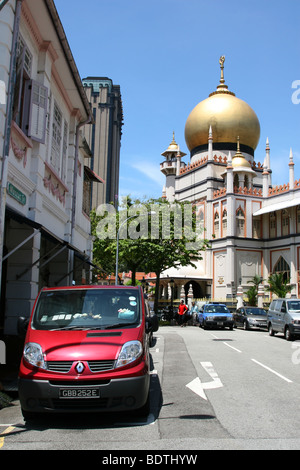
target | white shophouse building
[{"x": 44, "y": 160}]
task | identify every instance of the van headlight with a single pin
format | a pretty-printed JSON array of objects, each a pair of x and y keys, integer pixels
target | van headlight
[
  {"x": 33, "y": 354},
  {"x": 130, "y": 351}
]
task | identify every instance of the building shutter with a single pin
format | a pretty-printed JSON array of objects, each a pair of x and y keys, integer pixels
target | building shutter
[{"x": 36, "y": 106}]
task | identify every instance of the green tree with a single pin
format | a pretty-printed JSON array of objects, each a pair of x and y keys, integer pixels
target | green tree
[
  {"x": 279, "y": 285},
  {"x": 253, "y": 290},
  {"x": 155, "y": 243},
  {"x": 105, "y": 228},
  {"x": 251, "y": 293}
]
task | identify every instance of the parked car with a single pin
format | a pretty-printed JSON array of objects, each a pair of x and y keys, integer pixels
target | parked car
[
  {"x": 284, "y": 317},
  {"x": 250, "y": 317},
  {"x": 215, "y": 316},
  {"x": 86, "y": 350}
]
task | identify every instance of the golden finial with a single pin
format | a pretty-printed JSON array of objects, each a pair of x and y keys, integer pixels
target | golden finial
[
  {"x": 238, "y": 144},
  {"x": 221, "y": 62},
  {"x": 222, "y": 88}
]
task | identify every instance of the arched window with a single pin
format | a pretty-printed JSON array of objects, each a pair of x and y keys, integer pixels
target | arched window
[
  {"x": 224, "y": 223},
  {"x": 282, "y": 267},
  {"x": 240, "y": 222},
  {"x": 201, "y": 219},
  {"x": 216, "y": 225},
  {"x": 285, "y": 222}
]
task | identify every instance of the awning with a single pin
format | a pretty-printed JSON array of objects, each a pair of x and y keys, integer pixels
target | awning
[
  {"x": 92, "y": 175},
  {"x": 278, "y": 206},
  {"x": 60, "y": 244}
]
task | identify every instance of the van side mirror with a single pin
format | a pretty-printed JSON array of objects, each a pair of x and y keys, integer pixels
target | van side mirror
[
  {"x": 22, "y": 326},
  {"x": 152, "y": 323}
]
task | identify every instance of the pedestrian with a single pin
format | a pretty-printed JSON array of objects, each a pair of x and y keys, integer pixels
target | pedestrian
[
  {"x": 182, "y": 309},
  {"x": 194, "y": 313}
]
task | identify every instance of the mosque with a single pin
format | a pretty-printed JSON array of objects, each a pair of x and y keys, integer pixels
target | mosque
[{"x": 253, "y": 227}]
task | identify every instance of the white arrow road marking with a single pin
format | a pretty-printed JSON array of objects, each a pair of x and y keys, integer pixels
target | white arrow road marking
[{"x": 198, "y": 387}]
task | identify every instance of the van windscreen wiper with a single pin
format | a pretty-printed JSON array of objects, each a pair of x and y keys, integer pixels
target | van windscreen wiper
[
  {"x": 119, "y": 325},
  {"x": 83, "y": 328}
]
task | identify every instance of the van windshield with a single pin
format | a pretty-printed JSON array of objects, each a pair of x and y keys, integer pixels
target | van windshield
[
  {"x": 294, "y": 305},
  {"x": 87, "y": 309}
]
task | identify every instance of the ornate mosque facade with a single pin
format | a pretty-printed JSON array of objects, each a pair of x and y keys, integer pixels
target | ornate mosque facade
[{"x": 253, "y": 227}]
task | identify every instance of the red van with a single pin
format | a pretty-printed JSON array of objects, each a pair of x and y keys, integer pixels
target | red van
[{"x": 87, "y": 349}]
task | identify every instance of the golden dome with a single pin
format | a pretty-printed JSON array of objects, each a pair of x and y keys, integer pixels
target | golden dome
[
  {"x": 228, "y": 116},
  {"x": 240, "y": 162}
]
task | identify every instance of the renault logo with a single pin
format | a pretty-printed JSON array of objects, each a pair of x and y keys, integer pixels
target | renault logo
[{"x": 79, "y": 367}]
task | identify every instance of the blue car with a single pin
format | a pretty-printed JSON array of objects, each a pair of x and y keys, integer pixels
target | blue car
[{"x": 215, "y": 316}]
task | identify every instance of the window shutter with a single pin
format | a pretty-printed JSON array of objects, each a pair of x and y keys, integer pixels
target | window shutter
[
  {"x": 18, "y": 87},
  {"x": 37, "y": 98}
]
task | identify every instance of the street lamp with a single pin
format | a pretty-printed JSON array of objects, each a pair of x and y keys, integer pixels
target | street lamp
[{"x": 118, "y": 236}]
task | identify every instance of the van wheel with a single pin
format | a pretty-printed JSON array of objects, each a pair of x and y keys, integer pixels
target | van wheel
[
  {"x": 287, "y": 334},
  {"x": 271, "y": 331}
]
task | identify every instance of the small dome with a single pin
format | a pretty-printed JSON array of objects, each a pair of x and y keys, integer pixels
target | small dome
[
  {"x": 173, "y": 147},
  {"x": 240, "y": 163}
]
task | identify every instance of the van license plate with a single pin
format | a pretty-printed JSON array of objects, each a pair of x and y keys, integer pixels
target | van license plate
[{"x": 79, "y": 393}]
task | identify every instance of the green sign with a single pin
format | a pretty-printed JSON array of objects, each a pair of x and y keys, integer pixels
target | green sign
[
  {"x": 2, "y": 3},
  {"x": 16, "y": 194}
]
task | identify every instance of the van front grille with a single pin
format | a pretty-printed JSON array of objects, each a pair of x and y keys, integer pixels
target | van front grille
[
  {"x": 99, "y": 366},
  {"x": 65, "y": 366},
  {"x": 59, "y": 366}
]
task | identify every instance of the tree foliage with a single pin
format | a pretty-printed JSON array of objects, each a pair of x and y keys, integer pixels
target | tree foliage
[
  {"x": 253, "y": 290},
  {"x": 279, "y": 285},
  {"x": 168, "y": 237}
]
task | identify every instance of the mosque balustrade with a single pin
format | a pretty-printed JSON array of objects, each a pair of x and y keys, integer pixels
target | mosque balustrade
[
  {"x": 194, "y": 165},
  {"x": 239, "y": 190},
  {"x": 248, "y": 191},
  {"x": 219, "y": 193},
  {"x": 279, "y": 189},
  {"x": 283, "y": 188},
  {"x": 220, "y": 159},
  {"x": 257, "y": 166}
]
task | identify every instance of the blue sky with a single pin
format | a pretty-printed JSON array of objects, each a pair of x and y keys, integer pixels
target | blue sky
[{"x": 164, "y": 54}]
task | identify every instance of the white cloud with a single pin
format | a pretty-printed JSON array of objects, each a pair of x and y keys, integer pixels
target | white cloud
[
  {"x": 141, "y": 180},
  {"x": 151, "y": 171}
]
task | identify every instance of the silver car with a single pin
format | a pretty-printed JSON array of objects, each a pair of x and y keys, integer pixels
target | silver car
[
  {"x": 284, "y": 317},
  {"x": 250, "y": 317}
]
